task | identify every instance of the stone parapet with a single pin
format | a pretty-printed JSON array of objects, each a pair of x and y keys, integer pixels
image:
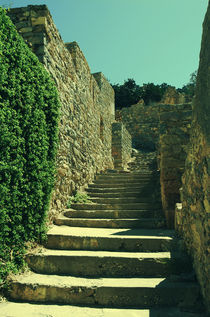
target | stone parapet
[
  {"x": 121, "y": 145},
  {"x": 175, "y": 124},
  {"x": 87, "y": 104}
]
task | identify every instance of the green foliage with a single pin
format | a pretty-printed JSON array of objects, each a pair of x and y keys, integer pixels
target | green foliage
[
  {"x": 189, "y": 89},
  {"x": 153, "y": 93},
  {"x": 79, "y": 198},
  {"x": 130, "y": 93},
  {"x": 29, "y": 110},
  {"x": 127, "y": 94}
]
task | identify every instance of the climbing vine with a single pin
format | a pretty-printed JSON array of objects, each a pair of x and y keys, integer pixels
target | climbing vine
[{"x": 29, "y": 111}]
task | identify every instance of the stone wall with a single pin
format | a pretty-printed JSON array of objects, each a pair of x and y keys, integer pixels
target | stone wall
[
  {"x": 175, "y": 123},
  {"x": 172, "y": 97},
  {"x": 193, "y": 218},
  {"x": 142, "y": 122},
  {"x": 121, "y": 145},
  {"x": 87, "y": 104}
]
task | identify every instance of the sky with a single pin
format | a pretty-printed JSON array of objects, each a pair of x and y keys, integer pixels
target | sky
[{"x": 148, "y": 40}]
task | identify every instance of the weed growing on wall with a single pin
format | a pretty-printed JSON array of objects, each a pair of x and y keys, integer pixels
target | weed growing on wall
[
  {"x": 79, "y": 198},
  {"x": 29, "y": 110}
]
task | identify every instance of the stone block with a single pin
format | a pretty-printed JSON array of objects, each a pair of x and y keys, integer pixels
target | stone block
[
  {"x": 178, "y": 218},
  {"x": 38, "y": 21},
  {"x": 121, "y": 145}
]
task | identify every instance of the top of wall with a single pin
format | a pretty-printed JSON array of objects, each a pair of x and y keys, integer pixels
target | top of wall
[
  {"x": 202, "y": 96},
  {"x": 76, "y": 54},
  {"x": 36, "y": 25}
]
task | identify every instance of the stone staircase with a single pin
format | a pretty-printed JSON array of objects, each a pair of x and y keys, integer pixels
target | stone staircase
[{"x": 113, "y": 251}]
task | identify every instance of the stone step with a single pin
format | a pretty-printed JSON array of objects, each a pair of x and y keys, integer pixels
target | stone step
[
  {"x": 125, "y": 177},
  {"x": 106, "y": 292},
  {"x": 120, "y": 190},
  {"x": 110, "y": 223},
  {"x": 146, "y": 193},
  {"x": 123, "y": 200},
  {"x": 127, "y": 173},
  {"x": 125, "y": 182},
  {"x": 106, "y": 263},
  {"x": 15, "y": 309},
  {"x": 119, "y": 186},
  {"x": 113, "y": 214},
  {"x": 132, "y": 240},
  {"x": 140, "y": 162},
  {"x": 140, "y": 167},
  {"x": 137, "y": 169},
  {"x": 114, "y": 206}
]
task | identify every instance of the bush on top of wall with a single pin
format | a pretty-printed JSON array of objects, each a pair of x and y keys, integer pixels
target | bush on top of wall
[{"x": 29, "y": 111}]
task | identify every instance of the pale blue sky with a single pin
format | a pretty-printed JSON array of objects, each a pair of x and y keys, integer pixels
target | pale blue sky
[{"x": 147, "y": 40}]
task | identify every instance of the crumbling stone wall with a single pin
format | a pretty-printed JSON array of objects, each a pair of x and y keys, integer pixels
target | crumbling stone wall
[
  {"x": 193, "y": 218},
  {"x": 121, "y": 145},
  {"x": 172, "y": 97},
  {"x": 175, "y": 124},
  {"x": 87, "y": 103},
  {"x": 142, "y": 122}
]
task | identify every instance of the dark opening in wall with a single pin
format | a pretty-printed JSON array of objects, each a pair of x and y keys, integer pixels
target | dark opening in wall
[{"x": 101, "y": 129}]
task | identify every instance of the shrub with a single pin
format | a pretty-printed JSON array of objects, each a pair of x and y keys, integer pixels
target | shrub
[
  {"x": 29, "y": 111},
  {"x": 79, "y": 198}
]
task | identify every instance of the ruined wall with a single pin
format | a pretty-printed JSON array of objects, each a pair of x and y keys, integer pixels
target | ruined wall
[
  {"x": 87, "y": 103},
  {"x": 142, "y": 123},
  {"x": 166, "y": 128},
  {"x": 121, "y": 145},
  {"x": 194, "y": 223},
  {"x": 175, "y": 123},
  {"x": 172, "y": 97}
]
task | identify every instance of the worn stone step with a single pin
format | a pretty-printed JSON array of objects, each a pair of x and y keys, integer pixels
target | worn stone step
[
  {"x": 106, "y": 292},
  {"x": 120, "y": 190},
  {"x": 122, "y": 200},
  {"x": 131, "y": 240},
  {"x": 139, "y": 167},
  {"x": 114, "y": 171},
  {"x": 110, "y": 223},
  {"x": 125, "y": 177},
  {"x": 106, "y": 263},
  {"x": 127, "y": 173},
  {"x": 114, "y": 206},
  {"x": 113, "y": 214},
  {"x": 125, "y": 182},
  {"x": 139, "y": 161},
  {"x": 15, "y": 309},
  {"x": 146, "y": 193},
  {"x": 119, "y": 186}
]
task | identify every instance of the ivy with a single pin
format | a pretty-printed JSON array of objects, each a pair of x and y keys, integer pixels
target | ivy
[{"x": 29, "y": 112}]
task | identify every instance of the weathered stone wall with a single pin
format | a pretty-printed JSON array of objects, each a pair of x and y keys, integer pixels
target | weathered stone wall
[
  {"x": 87, "y": 104},
  {"x": 172, "y": 97},
  {"x": 142, "y": 122},
  {"x": 175, "y": 123},
  {"x": 193, "y": 218},
  {"x": 121, "y": 145}
]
